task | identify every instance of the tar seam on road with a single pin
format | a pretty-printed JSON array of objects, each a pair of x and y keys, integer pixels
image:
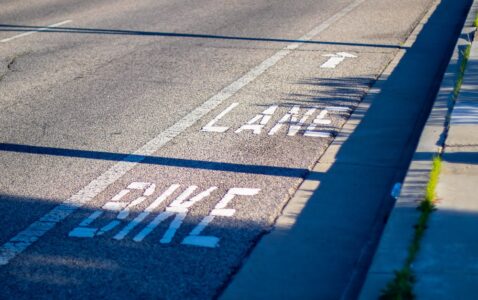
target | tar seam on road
[
  {"x": 34, "y": 31},
  {"x": 36, "y": 230}
]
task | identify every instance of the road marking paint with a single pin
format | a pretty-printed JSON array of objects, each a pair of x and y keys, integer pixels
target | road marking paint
[
  {"x": 184, "y": 195},
  {"x": 295, "y": 126},
  {"x": 195, "y": 239},
  {"x": 201, "y": 241},
  {"x": 161, "y": 198},
  {"x": 317, "y": 134},
  {"x": 335, "y": 59},
  {"x": 181, "y": 208},
  {"x": 320, "y": 119},
  {"x": 292, "y": 118},
  {"x": 35, "y": 31},
  {"x": 210, "y": 126},
  {"x": 152, "y": 225},
  {"x": 262, "y": 118},
  {"x": 125, "y": 212},
  {"x": 120, "y": 195},
  {"x": 202, "y": 225},
  {"x": 114, "y": 206},
  {"x": 32, "y": 233},
  {"x": 110, "y": 226},
  {"x": 136, "y": 221},
  {"x": 86, "y": 222},
  {"x": 139, "y": 185},
  {"x": 285, "y": 119},
  {"x": 312, "y": 131},
  {"x": 338, "y": 109},
  {"x": 83, "y": 232},
  {"x": 123, "y": 209},
  {"x": 149, "y": 190},
  {"x": 173, "y": 227}
]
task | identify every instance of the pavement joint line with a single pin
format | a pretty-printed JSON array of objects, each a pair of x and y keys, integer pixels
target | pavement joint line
[
  {"x": 35, "y": 31},
  {"x": 24, "y": 239}
]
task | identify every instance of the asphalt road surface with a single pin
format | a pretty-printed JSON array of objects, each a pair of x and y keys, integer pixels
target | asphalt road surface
[{"x": 146, "y": 146}]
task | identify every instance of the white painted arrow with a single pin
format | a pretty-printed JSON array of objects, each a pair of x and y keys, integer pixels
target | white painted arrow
[{"x": 335, "y": 59}]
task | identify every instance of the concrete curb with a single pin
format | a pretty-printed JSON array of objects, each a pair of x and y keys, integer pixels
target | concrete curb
[
  {"x": 397, "y": 235},
  {"x": 275, "y": 269}
]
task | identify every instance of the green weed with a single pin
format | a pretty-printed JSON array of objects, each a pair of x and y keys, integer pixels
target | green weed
[
  {"x": 401, "y": 287},
  {"x": 461, "y": 73}
]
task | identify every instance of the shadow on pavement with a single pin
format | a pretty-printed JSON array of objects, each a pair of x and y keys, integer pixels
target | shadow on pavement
[
  {"x": 326, "y": 252},
  {"x": 328, "y": 248},
  {"x": 155, "y": 160},
  {"x": 58, "y": 266},
  {"x": 79, "y": 30}
]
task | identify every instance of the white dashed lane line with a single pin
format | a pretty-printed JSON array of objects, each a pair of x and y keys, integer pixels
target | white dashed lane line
[{"x": 34, "y": 31}]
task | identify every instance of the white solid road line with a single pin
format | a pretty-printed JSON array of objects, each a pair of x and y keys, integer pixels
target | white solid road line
[
  {"x": 34, "y": 31},
  {"x": 32, "y": 233}
]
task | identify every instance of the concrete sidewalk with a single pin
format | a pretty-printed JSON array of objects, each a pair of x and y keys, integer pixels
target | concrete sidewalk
[{"x": 447, "y": 263}]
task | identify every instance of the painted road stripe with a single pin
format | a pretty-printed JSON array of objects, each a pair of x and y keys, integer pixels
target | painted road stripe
[
  {"x": 210, "y": 126},
  {"x": 136, "y": 221},
  {"x": 32, "y": 233},
  {"x": 335, "y": 59},
  {"x": 195, "y": 239},
  {"x": 34, "y": 31},
  {"x": 178, "y": 208}
]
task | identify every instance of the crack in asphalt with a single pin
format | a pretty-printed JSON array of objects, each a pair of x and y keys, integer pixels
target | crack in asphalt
[
  {"x": 10, "y": 64},
  {"x": 9, "y": 67}
]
